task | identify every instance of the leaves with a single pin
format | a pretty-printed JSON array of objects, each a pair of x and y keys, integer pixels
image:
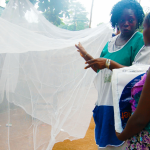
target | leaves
[
  {"x": 57, "y": 10},
  {"x": 32, "y": 1},
  {"x": 54, "y": 10},
  {"x": 78, "y": 17},
  {"x": 67, "y": 14}
]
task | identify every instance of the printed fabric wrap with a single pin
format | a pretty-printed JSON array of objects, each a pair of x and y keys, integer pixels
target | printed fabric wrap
[{"x": 123, "y": 80}]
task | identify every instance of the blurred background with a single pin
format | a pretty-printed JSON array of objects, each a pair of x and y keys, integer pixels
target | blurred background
[{"x": 76, "y": 15}]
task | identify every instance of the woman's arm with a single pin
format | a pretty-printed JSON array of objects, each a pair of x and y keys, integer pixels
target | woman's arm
[
  {"x": 100, "y": 63},
  {"x": 141, "y": 116}
]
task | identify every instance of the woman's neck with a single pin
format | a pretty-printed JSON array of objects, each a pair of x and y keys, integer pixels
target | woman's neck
[
  {"x": 122, "y": 39},
  {"x": 126, "y": 37}
]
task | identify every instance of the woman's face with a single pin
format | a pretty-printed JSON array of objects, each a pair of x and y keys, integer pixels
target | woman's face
[
  {"x": 146, "y": 33},
  {"x": 127, "y": 22}
]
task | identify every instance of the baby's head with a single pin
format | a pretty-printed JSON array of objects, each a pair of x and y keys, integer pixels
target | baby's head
[{"x": 146, "y": 31}]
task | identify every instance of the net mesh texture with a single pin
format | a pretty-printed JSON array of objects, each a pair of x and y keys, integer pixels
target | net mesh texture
[{"x": 46, "y": 95}]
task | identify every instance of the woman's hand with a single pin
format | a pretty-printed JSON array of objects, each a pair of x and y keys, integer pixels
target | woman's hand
[
  {"x": 81, "y": 49},
  {"x": 98, "y": 63},
  {"x": 85, "y": 55}
]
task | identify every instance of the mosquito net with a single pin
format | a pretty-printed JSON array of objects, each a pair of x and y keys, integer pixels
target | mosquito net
[{"x": 46, "y": 96}]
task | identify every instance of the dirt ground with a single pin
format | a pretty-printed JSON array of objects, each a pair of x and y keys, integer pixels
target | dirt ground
[
  {"x": 21, "y": 133},
  {"x": 87, "y": 143}
]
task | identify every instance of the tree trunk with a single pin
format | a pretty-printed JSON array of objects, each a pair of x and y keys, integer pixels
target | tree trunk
[{"x": 91, "y": 14}]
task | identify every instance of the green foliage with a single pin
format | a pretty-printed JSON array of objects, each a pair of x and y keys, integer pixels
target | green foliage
[
  {"x": 32, "y": 1},
  {"x": 54, "y": 10},
  {"x": 6, "y": 1},
  {"x": 67, "y": 14},
  {"x": 140, "y": 29},
  {"x": 78, "y": 17}
]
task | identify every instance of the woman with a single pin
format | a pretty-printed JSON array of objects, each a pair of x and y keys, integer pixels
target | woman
[
  {"x": 120, "y": 51},
  {"x": 137, "y": 129}
]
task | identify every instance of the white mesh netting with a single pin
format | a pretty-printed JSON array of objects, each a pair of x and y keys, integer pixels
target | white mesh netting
[{"x": 46, "y": 96}]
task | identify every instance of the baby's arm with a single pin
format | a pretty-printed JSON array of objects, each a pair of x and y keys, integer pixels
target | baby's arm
[{"x": 141, "y": 116}]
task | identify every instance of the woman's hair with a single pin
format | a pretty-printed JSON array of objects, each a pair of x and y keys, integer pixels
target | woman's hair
[
  {"x": 118, "y": 8},
  {"x": 147, "y": 19}
]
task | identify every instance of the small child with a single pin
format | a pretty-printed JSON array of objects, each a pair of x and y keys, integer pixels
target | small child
[{"x": 137, "y": 130}]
